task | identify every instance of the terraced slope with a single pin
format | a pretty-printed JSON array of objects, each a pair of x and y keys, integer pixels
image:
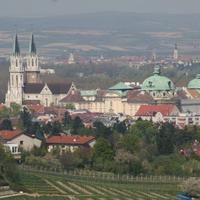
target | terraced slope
[{"x": 52, "y": 187}]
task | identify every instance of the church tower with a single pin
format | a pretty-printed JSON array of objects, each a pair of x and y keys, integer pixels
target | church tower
[
  {"x": 32, "y": 70},
  {"x": 16, "y": 78},
  {"x": 175, "y": 55}
]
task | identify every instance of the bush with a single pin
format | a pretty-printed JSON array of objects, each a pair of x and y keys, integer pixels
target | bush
[{"x": 192, "y": 187}]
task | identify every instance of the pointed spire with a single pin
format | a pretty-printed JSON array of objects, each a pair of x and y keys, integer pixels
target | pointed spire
[
  {"x": 16, "y": 49},
  {"x": 176, "y": 46},
  {"x": 32, "y": 47}
]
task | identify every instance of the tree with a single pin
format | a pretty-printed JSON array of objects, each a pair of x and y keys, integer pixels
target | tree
[
  {"x": 102, "y": 152},
  {"x": 6, "y": 125},
  {"x": 168, "y": 165},
  {"x": 26, "y": 118},
  {"x": 67, "y": 119},
  {"x": 8, "y": 169},
  {"x": 15, "y": 109},
  {"x": 165, "y": 139},
  {"x": 56, "y": 128},
  {"x": 102, "y": 131},
  {"x": 120, "y": 127},
  {"x": 70, "y": 106},
  {"x": 77, "y": 124},
  {"x": 123, "y": 160},
  {"x": 5, "y": 113},
  {"x": 69, "y": 160},
  {"x": 145, "y": 130}
]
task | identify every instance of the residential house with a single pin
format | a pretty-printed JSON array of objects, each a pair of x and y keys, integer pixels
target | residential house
[
  {"x": 69, "y": 142},
  {"x": 22, "y": 140}
]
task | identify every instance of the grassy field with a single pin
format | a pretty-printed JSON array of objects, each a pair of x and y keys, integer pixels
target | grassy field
[{"x": 55, "y": 187}]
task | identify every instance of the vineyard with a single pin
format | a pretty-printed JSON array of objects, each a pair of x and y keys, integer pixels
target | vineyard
[{"x": 41, "y": 186}]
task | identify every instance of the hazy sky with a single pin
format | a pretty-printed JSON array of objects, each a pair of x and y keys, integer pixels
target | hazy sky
[{"x": 57, "y": 7}]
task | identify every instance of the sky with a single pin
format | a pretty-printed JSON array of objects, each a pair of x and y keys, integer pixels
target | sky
[{"x": 34, "y": 8}]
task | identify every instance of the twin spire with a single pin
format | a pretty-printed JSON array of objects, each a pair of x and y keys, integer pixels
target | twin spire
[
  {"x": 32, "y": 46},
  {"x": 16, "y": 49}
]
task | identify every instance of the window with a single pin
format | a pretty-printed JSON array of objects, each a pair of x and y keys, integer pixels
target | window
[
  {"x": 16, "y": 80},
  {"x": 46, "y": 102},
  {"x": 16, "y": 63},
  {"x": 12, "y": 79},
  {"x": 32, "y": 62},
  {"x": 14, "y": 149},
  {"x": 21, "y": 142}
]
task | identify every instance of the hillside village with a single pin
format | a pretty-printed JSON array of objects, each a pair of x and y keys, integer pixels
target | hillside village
[{"x": 129, "y": 128}]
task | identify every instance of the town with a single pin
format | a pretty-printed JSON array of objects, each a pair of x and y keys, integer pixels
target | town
[{"x": 102, "y": 105}]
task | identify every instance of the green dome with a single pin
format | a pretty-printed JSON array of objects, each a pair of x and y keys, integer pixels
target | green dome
[
  {"x": 157, "y": 82},
  {"x": 195, "y": 83}
]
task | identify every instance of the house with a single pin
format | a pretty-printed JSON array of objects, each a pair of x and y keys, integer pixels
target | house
[
  {"x": 69, "y": 142},
  {"x": 22, "y": 140},
  {"x": 157, "y": 113}
]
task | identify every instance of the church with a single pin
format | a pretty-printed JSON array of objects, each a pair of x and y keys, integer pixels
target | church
[{"x": 25, "y": 85}]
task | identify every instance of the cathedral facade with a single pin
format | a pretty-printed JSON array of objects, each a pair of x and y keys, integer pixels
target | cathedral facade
[{"x": 25, "y": 85}]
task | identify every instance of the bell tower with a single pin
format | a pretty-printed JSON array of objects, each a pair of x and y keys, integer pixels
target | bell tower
[
  {"x": 175, "y": 54},
  {"x": 16, "y": 78},
  {"x": 32, "y": 68}
]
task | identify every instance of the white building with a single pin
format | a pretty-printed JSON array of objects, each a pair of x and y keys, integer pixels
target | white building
[
  {"x": 16, "y": 140},
  {"x": 24, "y": 83}
]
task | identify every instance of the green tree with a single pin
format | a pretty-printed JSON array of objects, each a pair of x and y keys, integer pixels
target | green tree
[
  {"x": 102, "y": 152},
  {"x": 6, "y": 125},
  {"x": 165, "y": 139},
  {"x": 15, "y": 109},
  {"x": 145, "y": 130},
  {"x": 56, "y": 128},
  {"x": 67, "y": 119},
  {"x": 120, "y": 127},
  {"x": 26, "y": 118},
  {"x": 70, "y": 106},
  {"x": 102, "y": 131},
  {"x": 8, "y": 168},
  {"x": 69, "y": 160},
  {"x": 77, "y": 124}
]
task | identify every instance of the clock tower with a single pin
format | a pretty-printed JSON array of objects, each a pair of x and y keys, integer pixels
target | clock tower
[{"x": 32, "y": 69}]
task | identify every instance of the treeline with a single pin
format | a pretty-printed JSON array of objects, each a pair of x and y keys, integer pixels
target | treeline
[{"x": 141, "y": 148}]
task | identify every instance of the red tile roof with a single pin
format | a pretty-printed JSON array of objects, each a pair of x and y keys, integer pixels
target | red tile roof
[
  {"x": 73, "y": 96},
  {"x": 36, "y": 108},
  {"x": 137, "y": 96},
  {"x": 69, "y": 140},
  {"x": 9, "y": 135},
  {"x": 86, "y": 117},
  {"x": 31, "y": 102},
  {"x": 150, "y": 110},
  {"x": 195, "y": 94}
]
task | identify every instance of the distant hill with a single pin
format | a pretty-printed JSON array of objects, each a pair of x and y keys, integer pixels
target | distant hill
[
  {"x": 112, "y": 21},
  {"x": 106, "y": 33}
]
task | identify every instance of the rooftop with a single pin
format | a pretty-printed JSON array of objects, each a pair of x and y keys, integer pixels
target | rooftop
[
  {"x": 157, "y": 82},
  {"x": 69, "y": 140},
  {"x": 9, "y": 135},
  {"x": 120, "y": 86},
  {"x": 151, "y": 110}
]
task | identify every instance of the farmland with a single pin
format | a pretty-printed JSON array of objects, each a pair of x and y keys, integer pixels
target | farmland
[{"x": 43, "y": 186}]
